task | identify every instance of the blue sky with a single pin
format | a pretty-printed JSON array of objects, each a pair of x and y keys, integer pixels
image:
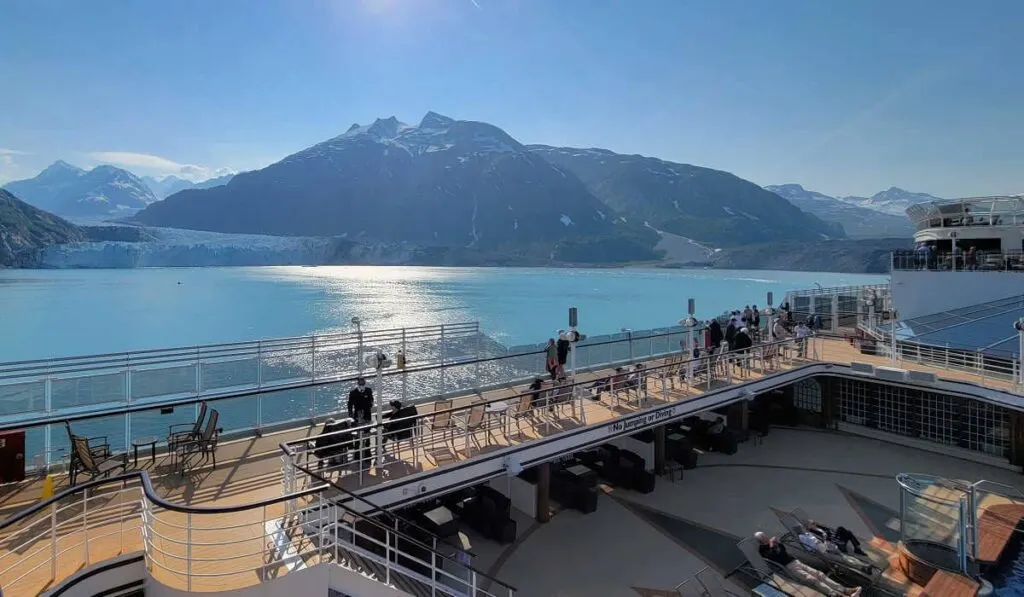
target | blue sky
[{"x": 845, "y": 97}]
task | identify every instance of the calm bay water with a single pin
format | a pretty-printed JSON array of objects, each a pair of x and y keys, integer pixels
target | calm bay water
[{"x": 51, "y": 313}]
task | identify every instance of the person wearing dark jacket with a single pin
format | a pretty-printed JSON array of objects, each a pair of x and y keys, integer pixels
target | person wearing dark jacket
[
  {"x": 730, "y": 334},
  {"x": 742, "y": 341},
  {"x": 360, "y": 402},
  {"x": 563, "y": 350},
  {"x": 333, "y": 444},
  {"x": 401, "y": 421},
  {"x": 716, "y": 335}
]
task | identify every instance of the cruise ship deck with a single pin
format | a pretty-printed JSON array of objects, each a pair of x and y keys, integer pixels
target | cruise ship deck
[{"x": 218, "y": 529}]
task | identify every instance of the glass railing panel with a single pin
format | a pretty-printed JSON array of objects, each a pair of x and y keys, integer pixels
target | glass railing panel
[
  {"x": 154, "y": 382},
  {"x": 281, "y": 406},
  {"x": 154, "y": 423},
  {"x": 98, "y": 388},
  {"x": 233, "y": 373},
  {"x": 23, "y": 397}
]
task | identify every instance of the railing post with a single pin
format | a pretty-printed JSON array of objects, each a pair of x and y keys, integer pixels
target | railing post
[
  {"x": 444, "y": 354},
  {"x": 48, "y": 405},
  {"x": 433, "y": 573},
  {"x": 53, "y": 540},
  {"x": 199, "y": 374},
  {"x": 188, "y": 550},
  {"x": 85, "y": 524},
  {"x": 259, "y": 364}
]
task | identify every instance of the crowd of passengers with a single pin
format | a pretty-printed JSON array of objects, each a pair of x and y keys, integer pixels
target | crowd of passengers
[{"x": 742, "y": 329}]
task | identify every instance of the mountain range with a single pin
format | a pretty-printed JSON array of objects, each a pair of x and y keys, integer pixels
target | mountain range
[
  {"x": 857, "y": 221},
  {"x": 710, "y": 206},
  {"x": 70, "y": 191},
  {"x": 894, "y": 201},
  {"x": 24, "y": 229},
  {"x": 168, "y": 185},
  {"x": 466, "y": 184},
  {"x": 456, "y": 191},
  {"x": 442, "y": 182}
]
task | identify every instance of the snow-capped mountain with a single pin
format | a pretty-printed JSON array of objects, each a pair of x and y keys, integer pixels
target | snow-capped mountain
[
  {"x": 894, "y": 201},
  {"x": 169, "y": 185},
  {"x": 858, "y": 222},
  {"x": 710, "y": 206},
  {"x": 443, "y": 182},
  {"x": 69, "y": 191}
]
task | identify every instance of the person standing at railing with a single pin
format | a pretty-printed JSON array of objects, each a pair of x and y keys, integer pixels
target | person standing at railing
[
  {"x": 802, "y": 332},
  {"x": 360, "y": 402},
  {"x": 551, "y": 358},
  {"x": 562, "y": 350},
  {"x": 715, "y": 336}
]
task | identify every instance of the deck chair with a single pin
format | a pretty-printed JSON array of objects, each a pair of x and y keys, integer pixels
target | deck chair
[
  {"x": 99, "y": 447},
  {"x": 442, "y": 421},
  {"x": 184, "y": 432},
  {"x": 861, "y": 572},
  {"x": 96, "y": 466},
  {"x": 771, "y": 573},
  {"x": 712, "y": 583},
  {"x": 522, "y": 410},
  {"x": 205, "y": 445},
  {"x": 472, "y": 423},
  {"x": 690, "y": 588}
]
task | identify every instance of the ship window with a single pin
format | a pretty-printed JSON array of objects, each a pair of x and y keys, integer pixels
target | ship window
[
  {"x": 987, "y": 428},
  {"x": 807, "y": 395},
  {"x": 938, "y": 418},
  {"x": 894, "y": 414}
]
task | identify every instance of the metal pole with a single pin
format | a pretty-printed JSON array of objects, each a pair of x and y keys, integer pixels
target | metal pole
[
  {"x": 892, "y": 324},
  {"x": 380, "y": 417}
]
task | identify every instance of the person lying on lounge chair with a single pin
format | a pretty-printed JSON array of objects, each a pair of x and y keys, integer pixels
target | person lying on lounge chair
[
  {"x": 814, "y": 542},
  {"x": 840, "y": 536},
  {"x": 772, "y": 549}
]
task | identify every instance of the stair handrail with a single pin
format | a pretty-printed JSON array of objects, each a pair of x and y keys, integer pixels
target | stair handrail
[{"x": 414, "y": 541}]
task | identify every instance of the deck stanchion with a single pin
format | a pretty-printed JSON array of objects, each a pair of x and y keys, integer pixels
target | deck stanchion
[
  {"x": 53, "y": 541},
  {"x": 188, "y": 551},
  {"x": 85, "y": 525}
]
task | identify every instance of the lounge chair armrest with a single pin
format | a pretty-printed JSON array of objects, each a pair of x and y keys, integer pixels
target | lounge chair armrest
[{"x": 172, "y": 426}]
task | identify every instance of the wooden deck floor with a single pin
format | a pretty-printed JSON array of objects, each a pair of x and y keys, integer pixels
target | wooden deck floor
[{"x": 249, "y": 471}]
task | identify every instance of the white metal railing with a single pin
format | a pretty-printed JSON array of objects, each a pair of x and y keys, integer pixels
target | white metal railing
[
  {"x": 68, "y": 533},
  {"x": 350, "y": 454},
  {"x": 216, "y": 549},
  {"x": 463, "y": 361},
  {"x": 1001, "y": 371}
]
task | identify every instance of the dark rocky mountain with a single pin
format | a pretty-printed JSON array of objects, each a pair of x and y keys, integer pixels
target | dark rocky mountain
[
  {"x": 893, "y": 201},
  {"x": 444, "y": 182},
  {"x": 858, "y": 222},
  {"x": 711, "y": 206},
  {"x": 169, "y": 185},
  {"x": 68, "y": 191},
  {"x": 24, "y": 230}
]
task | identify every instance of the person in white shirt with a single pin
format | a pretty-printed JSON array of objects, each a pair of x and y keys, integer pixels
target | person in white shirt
[{"x": 802, "y": 332}]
